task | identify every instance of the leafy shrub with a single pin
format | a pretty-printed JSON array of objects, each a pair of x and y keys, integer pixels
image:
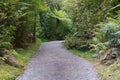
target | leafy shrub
[
  {"x": 84, "y": 16},
  {"x": 107, "y": 37},
  {"x": 6, "y": 45},
  {"x": 7, "y": 25},
  {"x": 77, "y": 43}
]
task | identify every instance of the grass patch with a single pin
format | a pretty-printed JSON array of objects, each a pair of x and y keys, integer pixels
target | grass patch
[
  {"x": 8, "y": 72},
  {"x": 83, "y": 54},
  {"x": 26, "y": 54},
  {"x": 45, "y": 40}
]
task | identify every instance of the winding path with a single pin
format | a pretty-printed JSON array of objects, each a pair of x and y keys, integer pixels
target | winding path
[{"x": 54, "y": 62}]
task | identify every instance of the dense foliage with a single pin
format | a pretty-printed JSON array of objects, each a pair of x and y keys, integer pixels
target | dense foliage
[
  {"x": 19, "y": 20},
  {"x": 54, "y": 22},
  {"x": 85, "y": 15},
  {"x": 107, "y": 36},
  {"x": 84, "y": 24}
]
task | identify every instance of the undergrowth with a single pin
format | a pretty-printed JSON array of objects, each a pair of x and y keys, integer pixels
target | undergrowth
[
  {"x": 8, "y": 72},
  {"x": 111, "y": 72}
]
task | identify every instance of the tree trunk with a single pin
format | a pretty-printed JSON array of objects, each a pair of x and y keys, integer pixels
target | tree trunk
[
  {"x": 57, "y": 23},
  {"x": 34, "y": 28}
]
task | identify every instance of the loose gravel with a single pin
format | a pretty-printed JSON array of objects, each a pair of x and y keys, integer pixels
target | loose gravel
[{"x": 54, "y": 62}]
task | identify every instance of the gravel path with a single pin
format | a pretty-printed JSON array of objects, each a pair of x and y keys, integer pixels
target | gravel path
[{"x": 54, "y": 62}]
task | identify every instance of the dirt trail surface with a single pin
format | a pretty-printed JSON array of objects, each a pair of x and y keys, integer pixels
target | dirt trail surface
[{"x": 54, "y": 62}]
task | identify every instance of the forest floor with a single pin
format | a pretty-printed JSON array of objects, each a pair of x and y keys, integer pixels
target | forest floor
[
  {"x": 107, "y": 72},
  {"x": 54, "y": 62}
]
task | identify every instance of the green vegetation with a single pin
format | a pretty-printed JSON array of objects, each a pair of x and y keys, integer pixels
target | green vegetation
[
  {"x": 19, "y": 25},
  {"x": 84, "y": 54},
  {"x": 110, "y": 72},
  {"x": 55, "y": 22},
  {"x": 85, "y": 25},
  {"x": 8, "y": 72},
  {"x": 85, "y": 15},
  {"x": 26, "y": 54},
  {"x": 95, "y": 27}
]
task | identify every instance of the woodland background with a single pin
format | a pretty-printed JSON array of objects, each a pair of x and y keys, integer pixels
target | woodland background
[{"x": 85, "y": 25}]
